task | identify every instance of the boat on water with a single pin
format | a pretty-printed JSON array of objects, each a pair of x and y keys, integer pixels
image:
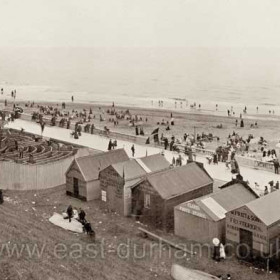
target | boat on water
[{"x": 179, "y": 272}]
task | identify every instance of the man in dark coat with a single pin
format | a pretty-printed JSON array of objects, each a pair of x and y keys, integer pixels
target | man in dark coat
[
  {"x": 69, "y": 213},
  {"x": 276, "y": 166}
]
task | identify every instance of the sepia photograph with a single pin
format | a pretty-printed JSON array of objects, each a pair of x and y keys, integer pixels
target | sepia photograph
[{"x": 139, "y": 140}]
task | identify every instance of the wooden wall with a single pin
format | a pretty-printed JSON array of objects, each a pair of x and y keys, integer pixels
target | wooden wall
[
  {"x": 243, "y": 218},
  {"x": 196, "y": 228},
  {"x": 161, "y": 212},
  {"x": 16, "y": 176}
]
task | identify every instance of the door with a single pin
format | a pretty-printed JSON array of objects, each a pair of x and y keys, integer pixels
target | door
[
  {"x": 246, "y": 243},
  {"x": 76, "y": 187}
]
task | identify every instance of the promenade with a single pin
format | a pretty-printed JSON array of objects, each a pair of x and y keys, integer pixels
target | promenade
[{"x": 218, "y": 172}]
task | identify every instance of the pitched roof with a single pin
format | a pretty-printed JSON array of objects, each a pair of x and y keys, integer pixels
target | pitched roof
[
  {"x": 91, "y": 165},
  {"x": 135, "y": 168},
  {"x": 216, "y": 205},
  {"x": 237, "y": 181},
  {"x": 267, "y": 208},
  {"x": 156, "y": 162},
  {"x": 176, "y": 181}
]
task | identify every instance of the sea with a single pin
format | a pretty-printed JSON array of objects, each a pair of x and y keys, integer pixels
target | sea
[{"x": 214, "y": 78}]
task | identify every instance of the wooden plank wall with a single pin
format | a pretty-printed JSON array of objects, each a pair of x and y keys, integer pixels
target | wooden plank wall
[{"x": 15, "y": 176}]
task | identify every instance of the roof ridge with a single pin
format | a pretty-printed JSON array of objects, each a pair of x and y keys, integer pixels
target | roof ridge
[{"x": 102, "y": 153}]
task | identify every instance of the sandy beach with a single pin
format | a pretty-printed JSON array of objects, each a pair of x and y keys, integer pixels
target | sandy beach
[{"x": 190, "y": 122}]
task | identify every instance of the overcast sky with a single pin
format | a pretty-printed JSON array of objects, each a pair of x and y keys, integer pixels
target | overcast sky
[{"x": 138, "y": 23}]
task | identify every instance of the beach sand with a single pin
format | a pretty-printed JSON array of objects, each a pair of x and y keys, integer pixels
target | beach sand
[{"x": 192, "y": 121}]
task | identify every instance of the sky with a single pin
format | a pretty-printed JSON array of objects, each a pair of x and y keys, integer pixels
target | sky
[{"x": 139, "y": 23}]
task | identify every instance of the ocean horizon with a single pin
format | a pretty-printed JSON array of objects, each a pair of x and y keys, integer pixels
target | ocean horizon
[{"x": 230, "y": 77}]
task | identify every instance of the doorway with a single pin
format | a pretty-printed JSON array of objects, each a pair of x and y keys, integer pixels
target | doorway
[
  {"x": 246, "y": 244},
  {"x": 76, "y": 187}
]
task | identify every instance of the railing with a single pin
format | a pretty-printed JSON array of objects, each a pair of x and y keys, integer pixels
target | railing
[{"x": 257, "y": 164}]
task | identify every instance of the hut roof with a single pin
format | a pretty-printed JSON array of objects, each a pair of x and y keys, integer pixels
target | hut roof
[
  {"x": 91, "y": 165},
  {"x": 267, "y": 208},
  {"x": 176, "y": 181},
  {"x": 216, "y": 205},
  {"x": 135, "y": 168}
]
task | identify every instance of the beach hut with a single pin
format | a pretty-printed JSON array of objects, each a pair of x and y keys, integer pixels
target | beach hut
[
  {"x": 82, "y": 176},
  {"x": 118, "y": 179},
  {"x": 203, "y": 219},
  {"x": 253, "y": 229},
  {"x": 155, "y": 197}
]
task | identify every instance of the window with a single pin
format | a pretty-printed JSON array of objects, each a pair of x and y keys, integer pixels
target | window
[
  {"x": 147, "y": 200},
  {"x": 103, "y": 196}
]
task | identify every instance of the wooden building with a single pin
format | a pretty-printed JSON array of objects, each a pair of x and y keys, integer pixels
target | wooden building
[
  {"x": 82, "y": 177},
  {"x": 155, "y": 197},
  {"x": 253, "y": 229},
  {"x": 118, "y": 179},
  {"x": 204, "y": 218}
]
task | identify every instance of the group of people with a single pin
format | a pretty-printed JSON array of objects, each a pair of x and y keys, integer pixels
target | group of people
[
  {"x": 87, "y": 228},
  {"x": 272, "y": 187}
]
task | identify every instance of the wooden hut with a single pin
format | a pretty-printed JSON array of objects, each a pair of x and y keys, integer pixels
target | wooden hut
[
  {"x": 118, "y": 179},
  {"x": 253, "y": 229},
  {"x": 203, "y": 219},
  {"x": 155, "y": 197},
  {"x": 82, "y": 176}
]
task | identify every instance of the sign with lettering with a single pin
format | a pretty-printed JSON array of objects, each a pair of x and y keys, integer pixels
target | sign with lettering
[
  {"x": 194, "y": 209},
  {"x": 243, "y": 218}
]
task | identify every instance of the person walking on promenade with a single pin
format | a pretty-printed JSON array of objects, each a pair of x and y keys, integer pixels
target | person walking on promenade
[
  {"x": 276, "y": 166},
  {"x": 133, "y": 150}
]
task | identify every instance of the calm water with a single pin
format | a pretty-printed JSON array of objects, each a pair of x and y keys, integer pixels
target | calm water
[{"x": 229, "y": 77}]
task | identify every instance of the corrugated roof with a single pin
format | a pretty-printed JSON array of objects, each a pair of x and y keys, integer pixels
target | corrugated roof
[
  {"x": 267, "y": 208},
  {"x": 229, "y": 198},
  {"x": 133, "y": 169},
  {"x": 91, "y": 165},
  {"x": 179, "y": 180}
]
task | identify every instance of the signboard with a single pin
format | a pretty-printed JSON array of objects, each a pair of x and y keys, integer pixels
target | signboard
[
  {"x": 243, "y": 218},
  {"x": 193, "y": 209}
]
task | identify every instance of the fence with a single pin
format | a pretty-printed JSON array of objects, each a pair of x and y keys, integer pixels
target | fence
[
  {"x": 16, "y": 176},
  {"x": 253, "y": 163},
  {"x": 242, "y": 160}
]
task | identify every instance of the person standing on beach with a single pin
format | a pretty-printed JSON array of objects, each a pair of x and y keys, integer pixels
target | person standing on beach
[
  {"x": 72, "y": 98},
  {"x": 133, "y": 150}
]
